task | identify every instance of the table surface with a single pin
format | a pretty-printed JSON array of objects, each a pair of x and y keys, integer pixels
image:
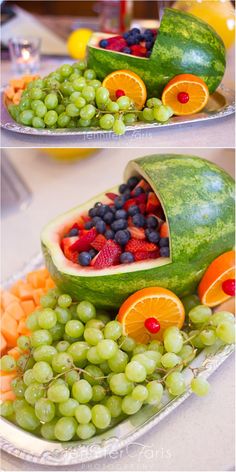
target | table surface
[
  {"x": 199, "y": 435},
  {"x": 215, "y": 133}
]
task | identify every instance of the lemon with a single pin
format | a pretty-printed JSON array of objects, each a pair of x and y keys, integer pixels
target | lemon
[
  {"x": 65, "y": 154},
  {"x": 77, "y": 43}
]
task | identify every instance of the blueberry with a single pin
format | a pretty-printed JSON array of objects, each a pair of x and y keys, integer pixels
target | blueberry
[
  {"x": 164, "y": 242},
  {"x": 133, "y": 210},
  {"x": 131, "y": 41},
  {"x": 127, "y": 195},
  {"x": 92, "y": 212},
  {"x": 164, "y": 252},
  {"x": 73, "y": 232},
  {"x": 126, "y": 258},
  {"x": 100, "y": 227},
  {"x": 119, "y": 224},
  {"x": 126, "y": 35},
  {"x": 142, "y": 37},
  {"x": 138, "y": 220},
  {"x": 132, "y": 182},
  {"x": 92, "y": 253},
  {"x": 135, "y": 30},
  {"x": 122, "y": 237},
  {"x": 148, "y": 53},
  {"x": 103, "y": 43},
  {"x": 126, "y": 50},
  {"x": 148, "y": 32},
  {"x": 108, "y": 217},
  {"x": 123, "y": 188},
  {"x": 109, "y": 234},
  {"x": 119, "y": 202},
  {"x": 84, "y": 258},
  {"x": 152, "y": 236},
  {"x": 89, "y": 224},
  {"x": 120, "y": 214},
  {"x": 102, "y": 209},
  {"x": 152, "y": 222},
  {"x": 96, "y": 219},
  {"x": 137, "y": 191},
  {"x": 149, "y": 44}
]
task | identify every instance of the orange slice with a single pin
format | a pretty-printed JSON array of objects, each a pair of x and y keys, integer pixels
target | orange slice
[
  {"x": 210, "y": 288},
  {"x": 154, "y": 303},
  {"x": 185, "y": 94},
  {"x": 130, "y": 83}
]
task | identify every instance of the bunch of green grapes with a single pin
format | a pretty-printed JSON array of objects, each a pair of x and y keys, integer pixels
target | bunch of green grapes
[
  {"x": 72, "y": 97},
  {"x": 78, "y": 374}
]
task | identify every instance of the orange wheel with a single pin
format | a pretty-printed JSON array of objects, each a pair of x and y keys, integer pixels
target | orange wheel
[
  {"x": 210, "y": 288},
  {"x": 148, "y": 312},
  {"x": 185, "y": 94},
  {"x": 129, "y": 83}
]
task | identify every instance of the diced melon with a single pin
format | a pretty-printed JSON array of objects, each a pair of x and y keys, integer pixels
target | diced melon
[
  {"x": 28, "y": 306},
  {"x": 9, "y": 329},
  {"x": 6, "y": 379},
  {"x": 15, "y": 310}
]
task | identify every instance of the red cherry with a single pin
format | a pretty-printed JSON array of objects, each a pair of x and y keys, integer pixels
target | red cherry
[
  {"x": 228, "y": 286},
  {"x": 120, "y": 93},
  {"x": 183, "y": 97},
  {"x": 152, "y": 325}
]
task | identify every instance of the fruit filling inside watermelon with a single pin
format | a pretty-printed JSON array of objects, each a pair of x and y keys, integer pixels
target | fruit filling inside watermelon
[
  {"x": 125, "y": 227},
  {"x": 135, "y": 42}
]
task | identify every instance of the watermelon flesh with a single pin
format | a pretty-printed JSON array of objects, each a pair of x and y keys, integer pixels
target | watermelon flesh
[{"x": 198, "y": 201}]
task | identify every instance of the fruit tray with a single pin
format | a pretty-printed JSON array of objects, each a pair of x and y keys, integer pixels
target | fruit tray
[
  {"x": 220, "y": 104},
  {"x": 28, "y": 447}
]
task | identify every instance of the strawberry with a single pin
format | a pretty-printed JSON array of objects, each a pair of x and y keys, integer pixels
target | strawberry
[
  {"x": 142, "y": 198},
  {"x": 143, "y": 184},
  {"x": 129, "y": 203},
  {"x": 66, "y": 248},
  {"x": 99, "y": 242},
  {"x": 111, "y": 195},
  {"x": 164, "y": 231},
  {"x": 108, "y": 256},
  {"x": 84, "y": 242},
  {"x": 85, "y": 218},
  {"x": 138, "y": 50},
  {"x": 137, "y": 233},
  {"x": 152, "y": 203},
  {"x": 135, "y": 245},
  {"x": 143, "y": 255},
  {"x": 142, "y": 208}
]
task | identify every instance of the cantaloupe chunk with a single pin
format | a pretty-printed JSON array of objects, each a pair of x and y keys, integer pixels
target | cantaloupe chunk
[
  {"x": 10, "y": 92},
  {"x": 49, "y": 284},
  {"x": 25, "y": 292},
  {"x": 14, "y": 352},
  {"x": 17, "y": 83},
  {"x": 22, "y": 328},
  {"x": 7, "y": 396},
  {"x": 6, "y": 379},
  {"x": 15, "y": 310},
  {"x": 37, "y": 294},
  {"x": 9, "y": 329},
  {"x": 28, "y": 306},
  {"x": 3, "y": 344},
  {"x": 15, "y": 287},
  {"x": 36, "y": 279},
  {"x": 7, "y": 298}
]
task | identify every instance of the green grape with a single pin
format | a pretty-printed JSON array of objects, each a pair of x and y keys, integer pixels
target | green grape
[
  {"x": 220, "y": 316},
  {"x": 40, "y": 338},
  {"x": 34, "y": 392},
  {"x": 148, "y": 114},
  {"x": 226, "y": 332},
  {"x": 101, "y": 416},
  {"x": 123, "y": 102},
  {"x": 71, "y": 377},
  {"x": 155, "y": 392},
  {"x": 113, "y": 403},
  {"x": 36, "y": 93},
  {"x": 58, "y": 392},
  {"x": 47, "y": 300},
  {"x": 140, "y": 393},
  {"x": 47, "y": 430},
  {"x": 104, "y": 366},
  {"x": 99, "y": 393},
  {"x": 107, "y": 121},
  {"x": 155, "y": 356},
  {"x": 83, "y": 414},
  {"x": 120, "y": 385},
  {"x": 90, "y": 74},
  {"x": 78, "y": 351},
  {"x": 106, "y": 348},
  {"x": 80, "y": 65},
  {"x": 14, "y": 109},
  {"x": 19, "y": 403},
  {"x": 61, "y": 362},
  {"x": 86, "y": 431},
  {"x": 199, "y": 314},
  {"x": 156, "y": 346},
  {"x": 42, "y": 372},
  {"x": 135, "y": 372},
  {"x": 72, "y": 110},
  {"x": 104, "y": 317},
  {"x": 93, "y": 336},
  {"x": 95, "y": 83},
  {"x": 130, "y": 405},
  {"x": 44, "y": 353},
  {"x": 38, "y": 122},
  {"x": 57, "y": 331},
  {"x": 189, "y": 302},
  {"x": 86, "y": 311},
  {"x": 113, "y": 330},
  {"x": 74, "y": 328},
  {"x": 102, "y": 96},
  {"x": 118, "y": 362},
  {"x": 6, "y": 408},
  {"x": 63, "y": 315},
  {"x": 38, "y": 83},
  {"x": 62, "y": 346},
  {"x": 80, "y": 102},
  {"x": 74, "y": 96},
  {"x": 32, "y": 322},
  {"x": 119, "y": 126},
  {"x": 27, "y": 419},
  {"x": 173, "y": 340},
  {"x": 88, "y": 112},
  {"x": 65, "y": 70},
  {"x": 60, "y": 109},
  {"x": 25, "y": 361},
  {"x": 84, "y": 123},
  {"x": 127, "y": 344},
  {"x": 7, "y": 363},
  {"x": 65, "y": 428},
  {"x": 26, "y": 117},
  {"x": 162, "y": 113},
  {"x": 51, "y": 101},
  {"x": 153, "y": 102},
  {"x": 200, "y": 386},
  {"x": 130, "y": 118},
  {"x": 68, "y": 408},
  {"x": 196, "y": 341},
  {"x": 44, "y": 410},
  {"x": 208, "y": 337},
  {"x": 79, "y": 84},
  {"x": 139, "y": 349},
  {"x": 170, "y": 360},
  {"x": 187, "y": 353},
  {"x": 51, "y": 118},
  {"x": 26, "y": 104},
  {"x": 18, "y": 387},
  {"x": 67, "y": 88},
  {"x": 64, "y": 300},
  {"x": 76, "y": 74},
  {"x": 82, "y": 391},
  {"x": 175, "y": 383},
  {"x": 28, "y": 377},
  {"x": 111, "y": 106},
  {"x": 94, "y": 323},
  {"x": 63, "y": 120},
  {"x": 146, "y": 362},
  {"x": 88, "y": 93},
  {"x": 47, "y": 318}
]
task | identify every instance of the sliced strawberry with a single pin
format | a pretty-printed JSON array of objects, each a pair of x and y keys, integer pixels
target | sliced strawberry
[
  {"x": 99, "y": 242},
  {"x": 85, "y": 218},
  {"x": 143, "y": 255},
  {"x": 112, "y": 196},
  {"x": 129, "y": 203},
  {"x": 137, "y": 233},
  {"x": 84, "y": 242},
  {"x": 138, "y": 50},
  {"x": 76, "y": 226},
  {"x": 142, "y": 208},
  {"x": 144, "y": 185},
  {"x": 108, "y": 256},
  {"x": 152, "y": 203},
  {"x": 66, "y": 248},
  {"x": 164, "y": 230},
  {"x": 142, "y": 198},
  {"x": 135, "y": 245}
]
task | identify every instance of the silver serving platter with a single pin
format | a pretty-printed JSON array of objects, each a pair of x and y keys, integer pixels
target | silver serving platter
[
  {"x": 220, "y": 104},
  {"x": 28, "y": 447}
]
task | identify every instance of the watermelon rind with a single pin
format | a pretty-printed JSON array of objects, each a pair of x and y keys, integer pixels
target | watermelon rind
[{"x": 198, "y": 199}]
